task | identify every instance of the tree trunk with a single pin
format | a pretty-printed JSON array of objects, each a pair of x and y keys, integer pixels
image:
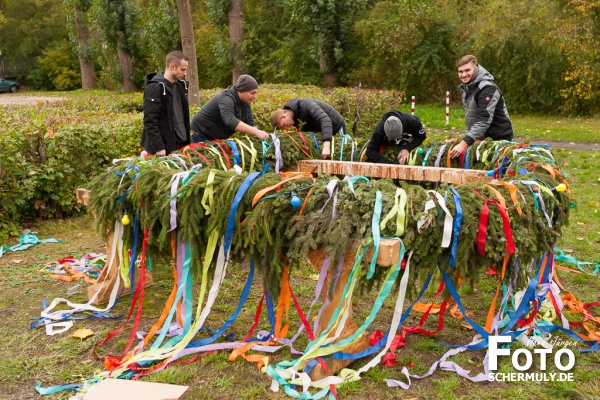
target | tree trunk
[
  {"x": 236, "y": 32},
  {"x": 325, "y": 67},
  {"x": 127, "y": 85},
  {"x": 189, "y": 49},
  {"x": 86, "y": 64}
]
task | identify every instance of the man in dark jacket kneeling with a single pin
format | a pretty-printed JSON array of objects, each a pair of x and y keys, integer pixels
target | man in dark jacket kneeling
[
  {"x": 396, "y": 128},
  {"x": 310, "y": 115}
]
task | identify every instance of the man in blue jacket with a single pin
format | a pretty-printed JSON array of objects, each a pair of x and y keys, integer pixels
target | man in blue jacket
[
  {"x": 166, "y": 110},
  {"x": 485, "y": 110},
  {"x": 396, "y": 128},
  {"x": 228, "y": 112},
  {"x": 310, "y": 115}
]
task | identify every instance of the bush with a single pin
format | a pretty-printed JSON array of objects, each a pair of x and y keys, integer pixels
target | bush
[
  {"x": 49, "y": 150},
  {"x": 57, "y": 69}
]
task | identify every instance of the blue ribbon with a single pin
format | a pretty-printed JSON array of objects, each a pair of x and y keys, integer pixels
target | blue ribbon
[
  {"x": 233, "y": 316},
  {"x": 456, "y": 226},
  {"x": 236, "y": 154},
  {"x": 316, "y": 141}
]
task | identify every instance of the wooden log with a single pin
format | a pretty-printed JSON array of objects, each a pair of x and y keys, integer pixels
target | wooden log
[
  {"x": 393, "y": 171},
  {"x": 389, "y": 252},
  {"x": 82, "y": 196}
]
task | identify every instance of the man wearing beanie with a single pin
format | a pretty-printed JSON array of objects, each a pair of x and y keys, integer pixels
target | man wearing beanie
[
  {"x": 310, "y": 115},
  {"x": 227, "y": 113},
  {"x": 399, "y": 129},
  {"x": 485, "y": 110}
]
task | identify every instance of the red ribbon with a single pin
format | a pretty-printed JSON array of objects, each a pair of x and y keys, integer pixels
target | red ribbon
[
  {"x": 256, "y": 317},
  {"x": 483, "y": 223},
  {"x": 111, "y": 361}
]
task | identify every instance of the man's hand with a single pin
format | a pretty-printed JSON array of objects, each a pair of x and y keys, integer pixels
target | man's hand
[
  {"x": 262, "y": 135},
  {"x": 161, "y": 153},
  {"x": 403, "y": 156},
  {"x": 458, "y": 149},
  {"x": 326, "y": 152}
]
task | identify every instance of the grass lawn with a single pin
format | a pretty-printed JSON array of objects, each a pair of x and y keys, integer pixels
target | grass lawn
[
  {"x": 28, "y": 356},
  {"x": 538, "y": 127}
]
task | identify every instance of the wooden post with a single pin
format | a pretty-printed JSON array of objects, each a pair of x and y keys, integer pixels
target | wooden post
[{"x": 389, "y": 252}]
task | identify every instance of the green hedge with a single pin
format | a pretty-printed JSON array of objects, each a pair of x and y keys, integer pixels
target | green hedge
[{"x": 48, "y": 150}]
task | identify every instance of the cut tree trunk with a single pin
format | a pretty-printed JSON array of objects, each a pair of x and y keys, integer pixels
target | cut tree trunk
[
  {"x": 236, "y": 32},
  {"x": 86, "y": 64},
  {"x": 127, "y": 85},
  {"x": 188, "y": 44}
]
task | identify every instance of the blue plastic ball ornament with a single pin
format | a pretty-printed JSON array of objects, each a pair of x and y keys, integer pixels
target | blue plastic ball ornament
[{"x": 295, "y": 201}]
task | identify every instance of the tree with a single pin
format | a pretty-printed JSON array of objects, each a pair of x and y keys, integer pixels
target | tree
[
  {"x": 235, "y": 16},
  {"x": 276, "y": 50},
  {"x": 331, "y": 23},
  {"x": 76, "y": 10},
  {"x": 189, "y": 48},
  {"x": 30, "y": 27},
  {"x": 118, "y": 21}
]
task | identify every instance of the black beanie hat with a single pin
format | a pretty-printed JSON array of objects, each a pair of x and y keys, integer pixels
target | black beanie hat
[{"x": 246, "y": 83}]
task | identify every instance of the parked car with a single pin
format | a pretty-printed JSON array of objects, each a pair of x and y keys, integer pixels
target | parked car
[{"x": 8, "y": 86}]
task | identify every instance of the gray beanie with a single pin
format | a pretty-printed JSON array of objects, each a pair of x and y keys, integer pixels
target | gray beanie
[
  {"x": 246, "y": 83},
  {"x": 393, "y": 128}
]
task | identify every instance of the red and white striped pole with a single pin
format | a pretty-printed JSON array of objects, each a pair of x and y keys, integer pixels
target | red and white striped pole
[
  {"x": 447, "y": 108},
  {"x": 412, "y": 107}
]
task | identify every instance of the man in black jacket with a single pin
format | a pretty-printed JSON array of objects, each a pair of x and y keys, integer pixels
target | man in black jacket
[
  {"x": 228, "y": 112},
  {"x": 310, "y": 115},
  {"x": 166, "y": 110},
  {"x": 397, "y": 128},
  {"x": 485, "y": 110}
]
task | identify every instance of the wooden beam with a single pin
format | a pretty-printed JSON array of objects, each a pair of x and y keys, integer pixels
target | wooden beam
[
  {"x": 393, "y": 171},
  {"x": 82, "y": 195},
  {"x": 389, "y": 253}
]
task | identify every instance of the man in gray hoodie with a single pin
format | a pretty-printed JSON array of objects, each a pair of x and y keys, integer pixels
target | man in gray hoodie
[{"x": 485, "y": 110}]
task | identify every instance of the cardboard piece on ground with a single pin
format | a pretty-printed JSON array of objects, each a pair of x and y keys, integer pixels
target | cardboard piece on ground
[{"x": 123, "y": 389}]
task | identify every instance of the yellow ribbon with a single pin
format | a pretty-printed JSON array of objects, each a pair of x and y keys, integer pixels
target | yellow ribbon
[
  {"x": 398, "y": 209},
  {"x": 208, "y": 192}
]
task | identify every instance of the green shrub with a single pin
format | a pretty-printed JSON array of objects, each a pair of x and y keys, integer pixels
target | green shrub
[{"x": 49, "y": 150}]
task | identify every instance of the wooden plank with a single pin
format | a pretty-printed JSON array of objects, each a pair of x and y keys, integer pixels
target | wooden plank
[
  {"x": 82, "y": 196},
  {"x": 389, "y": 253},
  {"x": 393, "y": 171}
]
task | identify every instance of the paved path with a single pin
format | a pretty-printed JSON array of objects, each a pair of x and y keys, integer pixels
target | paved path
[{"x": 7, "y": 99}]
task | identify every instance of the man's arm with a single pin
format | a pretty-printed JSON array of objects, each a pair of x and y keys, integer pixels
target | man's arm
[
  {"x": 251, "y": 130},
  {"x": 417, "y": 130},
  {"x": 152, "y": 109},
  {"x": 227, "y": 111},
  {"x": 320, "y": 117}
]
